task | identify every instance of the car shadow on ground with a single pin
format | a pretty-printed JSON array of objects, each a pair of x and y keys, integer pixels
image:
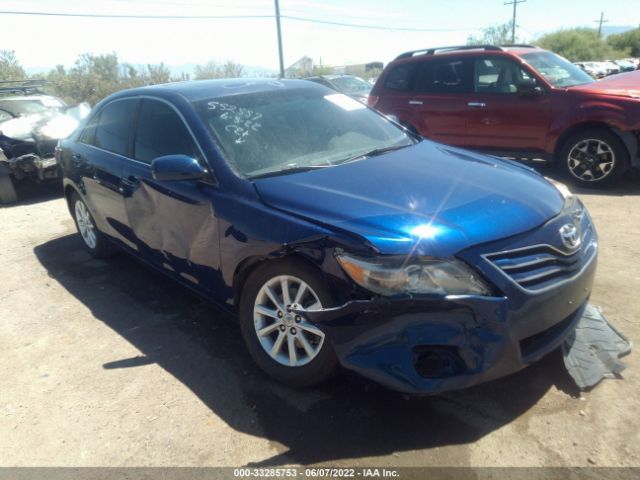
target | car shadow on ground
[
  {"x": 344, "y": 419},
  {"x": 31, "y": 192}
]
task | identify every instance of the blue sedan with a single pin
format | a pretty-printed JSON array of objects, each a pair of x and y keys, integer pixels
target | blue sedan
[{"x": 338, "y": 238}]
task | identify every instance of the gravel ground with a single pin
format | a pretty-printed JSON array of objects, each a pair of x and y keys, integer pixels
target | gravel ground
[{"x": 106, "y": 363}]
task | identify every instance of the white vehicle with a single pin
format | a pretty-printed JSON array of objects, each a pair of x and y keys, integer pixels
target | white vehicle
[{"x": 593, "y": 68}]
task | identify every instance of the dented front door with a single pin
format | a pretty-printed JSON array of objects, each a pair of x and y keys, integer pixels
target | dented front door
[{"x": 174, "y": 222}]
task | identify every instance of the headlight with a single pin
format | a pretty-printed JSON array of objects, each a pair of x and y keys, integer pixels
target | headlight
[
  {"x": 561, "y": 187},
  {"x": 401, "y": 274}
]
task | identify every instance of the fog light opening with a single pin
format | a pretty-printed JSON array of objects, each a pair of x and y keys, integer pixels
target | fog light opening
[{"x": 437, "y": 361}]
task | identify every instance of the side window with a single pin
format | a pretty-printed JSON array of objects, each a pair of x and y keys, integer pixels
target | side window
[
  {"x": 161, "y": 132},
  {"x": 400, "y": 77},
  {"x": 445, "y": 76},
  {"x": 114, "y": 126},
  {"x": 88, "y": 135},
  {"x": 497, "y": 75}
]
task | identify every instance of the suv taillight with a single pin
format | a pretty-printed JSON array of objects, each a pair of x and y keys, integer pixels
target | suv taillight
[{"x": 372, "y": 100}]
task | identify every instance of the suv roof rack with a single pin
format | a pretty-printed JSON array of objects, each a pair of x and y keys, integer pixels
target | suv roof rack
[
  {"x": 25, "y": 87},
  {"x": 433, "y": 51}
]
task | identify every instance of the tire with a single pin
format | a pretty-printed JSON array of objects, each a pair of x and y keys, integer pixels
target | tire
[
  {"x": 310, "y": 364},
  {"x": 584, "y": 166},
  {"x": 93, "y": 240},
  {"x": 7, "y": 190}
]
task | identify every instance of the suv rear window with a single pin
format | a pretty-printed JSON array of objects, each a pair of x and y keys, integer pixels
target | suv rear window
[
  {"x": 445, "y": 76},
  {"x": 400, "y": 77}
]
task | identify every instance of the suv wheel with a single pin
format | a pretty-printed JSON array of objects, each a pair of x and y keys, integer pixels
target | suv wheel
[
  {"x": 594, "y": 158},
  {"x": 284, "y": 344}
]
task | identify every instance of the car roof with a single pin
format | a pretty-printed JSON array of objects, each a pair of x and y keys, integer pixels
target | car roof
[
  {"x": 466, "y": 50},
  {"x": 196, "y": 90}
]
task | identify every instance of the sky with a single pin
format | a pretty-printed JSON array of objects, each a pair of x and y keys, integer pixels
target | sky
[{"x": 45, "y": 41}]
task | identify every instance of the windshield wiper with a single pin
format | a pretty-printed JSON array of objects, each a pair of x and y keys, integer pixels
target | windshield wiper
[
  {"x": 372, "y": 153},
  {"x": 287, "y": 171}
]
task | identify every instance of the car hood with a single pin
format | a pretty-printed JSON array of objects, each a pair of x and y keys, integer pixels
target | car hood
[
  {"x": 623, "y": 85},
  {"x": 427, "y": 199}
]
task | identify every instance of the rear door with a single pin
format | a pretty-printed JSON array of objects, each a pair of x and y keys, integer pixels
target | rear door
[
  {"x": 440, "y": 98},
  {"x": 98, "y": 157},
  {"x": 499, "y": 118},
  {"x": 173, "y": 221}
]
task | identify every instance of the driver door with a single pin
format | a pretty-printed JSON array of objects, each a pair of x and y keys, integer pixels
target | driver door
[
  {"x": 498, "y": 117},
  {"x": 174, "y": 222}
]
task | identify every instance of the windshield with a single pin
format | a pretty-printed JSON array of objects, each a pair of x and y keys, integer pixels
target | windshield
[
  {"x": 352, "y": 84},
  {"x": 556, "y": 70},
  {"x": 291, "y": 129}
]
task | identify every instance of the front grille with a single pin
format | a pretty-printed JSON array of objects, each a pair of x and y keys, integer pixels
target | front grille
[
  {"x": 535, "y": 343},
  {"x": 541, "y": 266}
]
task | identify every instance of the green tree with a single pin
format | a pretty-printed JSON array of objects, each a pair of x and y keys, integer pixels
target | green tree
[
  {"x": 213, "y": 69},
  {"x": 628, "y": 42},
  {"x": 93, "y": 77},
  {"x": 10, "y": 68},
  {"x": 494, "y": 35},
  {"x": 578, "y": 44}
]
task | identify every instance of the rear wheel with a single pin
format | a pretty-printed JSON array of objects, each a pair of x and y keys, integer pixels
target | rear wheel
[
  {"x": 94, "y": 241},
  {"x": 594, "y": 158},
  {"x": 7, "y": 190},
  {"x": 285, "y": 344}
]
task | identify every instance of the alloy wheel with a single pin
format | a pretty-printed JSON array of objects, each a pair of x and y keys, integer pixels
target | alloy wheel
[
  {"x": 287, "y": 337},
  {"x": 591, "y": 160},
  {"x": 85, "y": 224}
]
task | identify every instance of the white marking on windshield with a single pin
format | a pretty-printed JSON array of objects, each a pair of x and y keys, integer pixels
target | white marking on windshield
[{"x": 344, "y": 102}]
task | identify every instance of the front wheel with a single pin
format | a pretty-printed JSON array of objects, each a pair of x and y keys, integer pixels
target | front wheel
[
  {"x": 285, "y": 344},
  {"x": 594, "y": 158}
]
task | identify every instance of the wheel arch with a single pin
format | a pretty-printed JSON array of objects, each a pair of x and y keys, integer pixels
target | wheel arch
[
  {"x": 249, "y": 265},
  {"x": 69, "y": 190},
  {"x": 628, "y": 138}
]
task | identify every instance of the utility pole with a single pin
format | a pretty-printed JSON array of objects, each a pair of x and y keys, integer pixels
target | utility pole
[
  {"x": 279, "y": 39},
  {"x": 513, "y": 22},
  {"x": 600, "y": 22}
]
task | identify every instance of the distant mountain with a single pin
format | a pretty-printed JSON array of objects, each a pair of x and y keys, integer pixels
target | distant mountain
[{"x": 613, "y": 29}]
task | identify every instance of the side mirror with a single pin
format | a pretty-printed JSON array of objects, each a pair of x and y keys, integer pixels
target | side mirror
[
  {"x": 177, "y": 167},
  {"x": 529, "y": 88}
]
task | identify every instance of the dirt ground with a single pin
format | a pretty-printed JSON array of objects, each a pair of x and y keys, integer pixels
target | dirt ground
[{"x": 107, "y": 363}]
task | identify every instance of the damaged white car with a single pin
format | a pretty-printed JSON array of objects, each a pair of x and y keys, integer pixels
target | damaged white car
[{"x": 31, "y": 124}]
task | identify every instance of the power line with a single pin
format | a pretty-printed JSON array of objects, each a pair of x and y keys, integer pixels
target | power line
[
  {"x": 513, "y": 22},
  {"x": 600, "y": 22},
  {"x": 230, "y": 17},
  {"x": 128, "y": 15}
]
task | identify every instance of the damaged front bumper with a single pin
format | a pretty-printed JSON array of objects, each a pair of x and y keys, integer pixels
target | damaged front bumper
[
  {"x": 32, "y": 165},
  {"x": 427, "y": 345}
]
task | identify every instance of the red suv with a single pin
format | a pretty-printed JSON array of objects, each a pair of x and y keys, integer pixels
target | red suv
[{"x": 517, "y": 101}]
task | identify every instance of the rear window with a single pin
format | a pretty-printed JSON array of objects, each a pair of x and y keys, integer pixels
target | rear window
[
  {"x": 445, "y": 76},
  {"x": 400, "y": 77}
]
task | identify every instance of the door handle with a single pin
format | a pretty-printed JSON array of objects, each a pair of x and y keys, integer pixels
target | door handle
[
  {"x": 476, "y": 104},
  {"x": 415, "y": 102},
  {"x": 129, "y": 184},
  {"x": 130, "y": 181}
]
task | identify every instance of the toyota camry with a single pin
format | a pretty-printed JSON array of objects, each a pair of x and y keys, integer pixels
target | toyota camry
[{"x": 338, "y": 238}]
